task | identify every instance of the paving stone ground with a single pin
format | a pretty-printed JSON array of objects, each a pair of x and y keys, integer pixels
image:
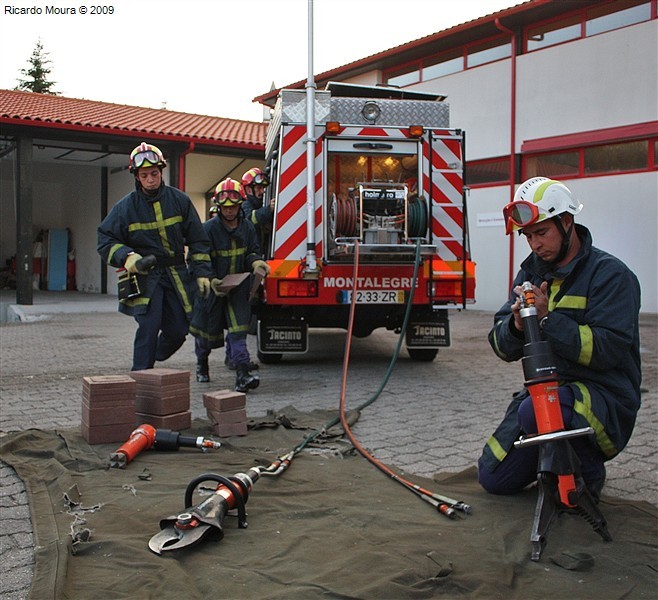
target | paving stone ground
[{"x": 431, "y": 417}]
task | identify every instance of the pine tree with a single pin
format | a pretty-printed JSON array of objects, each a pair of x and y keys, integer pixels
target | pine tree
[{"x": 36, "y": 77}]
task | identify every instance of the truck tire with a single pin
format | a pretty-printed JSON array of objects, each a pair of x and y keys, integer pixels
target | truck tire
[
  {"x": 423, "y": 354},
  {"x": 269, "y": 359}
]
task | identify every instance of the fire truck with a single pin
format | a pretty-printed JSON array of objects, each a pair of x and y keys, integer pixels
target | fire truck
[{"x": 382, "y": 189}]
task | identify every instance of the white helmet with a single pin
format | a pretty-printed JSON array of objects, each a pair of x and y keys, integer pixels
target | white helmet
[{"x": 536, "y": 200}]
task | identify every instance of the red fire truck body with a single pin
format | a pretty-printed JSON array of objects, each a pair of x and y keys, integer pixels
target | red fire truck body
[{"x": 388, "y": 179}]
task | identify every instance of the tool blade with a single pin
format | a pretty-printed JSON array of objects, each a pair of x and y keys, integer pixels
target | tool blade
[{"x": 171, "y": 538}]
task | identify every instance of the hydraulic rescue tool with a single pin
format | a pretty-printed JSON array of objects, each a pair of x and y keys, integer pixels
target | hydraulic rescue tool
[
  {"x": 560, "y": 484},
  {"x": 205, "y": 519},
  {"x": 128, "y": 283},
  {"x": 146, "y": 436}
]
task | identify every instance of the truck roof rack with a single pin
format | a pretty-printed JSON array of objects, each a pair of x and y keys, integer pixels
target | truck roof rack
[{"x": 353, "y": 90}]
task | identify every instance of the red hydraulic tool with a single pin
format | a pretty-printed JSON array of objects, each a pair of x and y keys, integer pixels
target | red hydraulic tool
[
  {"x": 146, "y": 436},
  {"x": 560, "y": 484}
]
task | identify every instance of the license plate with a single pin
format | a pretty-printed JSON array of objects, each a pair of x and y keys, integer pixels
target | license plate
[{"x": 377, "y": 297}]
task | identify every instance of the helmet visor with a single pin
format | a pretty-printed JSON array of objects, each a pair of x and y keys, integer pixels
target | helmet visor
[
  {"x": 261, "y": 179},
  {"x": 519, "y": 214},
  {"x": 229, "y": 198},
  {"x": 146, "y": 155}
]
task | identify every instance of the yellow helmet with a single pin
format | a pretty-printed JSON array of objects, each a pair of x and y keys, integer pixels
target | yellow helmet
[{"x": 146, "y": 155}]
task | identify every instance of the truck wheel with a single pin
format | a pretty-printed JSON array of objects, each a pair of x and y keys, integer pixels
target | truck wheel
[
  {"x": 423, "y": 354},
  {"x": 269, "y": 359}
]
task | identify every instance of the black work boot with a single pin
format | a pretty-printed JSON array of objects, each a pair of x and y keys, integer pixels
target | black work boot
[
  {"x": 251, "y": 366},
  {"x": 244, "y": 380},
  {"x": 202, "y": 373}
]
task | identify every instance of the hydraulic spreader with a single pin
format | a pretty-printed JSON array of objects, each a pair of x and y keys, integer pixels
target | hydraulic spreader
[{"x": 560, "y": 483}]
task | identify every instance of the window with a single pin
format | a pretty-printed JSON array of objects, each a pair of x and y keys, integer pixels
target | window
[
  {"x": 556, "y": 165},
  {"x": 488, "y": 52},
  {"x": 615, "y": 15},
  {"x": 404, "y": 78},
  {"x": 605, "y": 16},
  {"x": 445, "y": 65},
  {"x": 610, "y": 158},
  {"x": 655, "y": 154},
  {"x": 490, "y": 171},
  {"x": 550, "y": 34}
]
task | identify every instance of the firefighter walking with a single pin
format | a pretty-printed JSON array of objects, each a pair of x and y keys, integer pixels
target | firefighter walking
[
  {"x": 234, "y": 250},
  {"x": 254, "y": 183},
  {"x": 158, "y": 221}
]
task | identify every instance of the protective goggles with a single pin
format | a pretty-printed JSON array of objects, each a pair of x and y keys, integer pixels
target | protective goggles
[
  {"x": 521, "y": 214},
  {"x": 261, "y": 179},
  {"x": 228, "y": 198},
  {"x": 146, "y": 155}
]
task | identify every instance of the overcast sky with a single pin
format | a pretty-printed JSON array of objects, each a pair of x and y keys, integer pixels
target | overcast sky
[{"x": 210, "y": 56}]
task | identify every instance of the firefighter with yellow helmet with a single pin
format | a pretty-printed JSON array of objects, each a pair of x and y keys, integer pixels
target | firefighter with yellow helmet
[
  {"x": 234, "y": 250},
  {"x": 156, "y": 221},
  {"x": 255, "y": 183},
  {"x": 588, "y": 304}
]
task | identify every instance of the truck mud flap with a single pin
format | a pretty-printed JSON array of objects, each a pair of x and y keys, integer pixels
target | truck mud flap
[
  {"x": 430, "y": 332},
  {"x": 277, "y": 338}
]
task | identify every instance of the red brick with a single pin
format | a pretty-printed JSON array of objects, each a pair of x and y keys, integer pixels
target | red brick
[
  {"x": 161, "y": 406},
  {"x": 230, "y": 429},
  {"x": 175, "y": 422},
  {"x": 227, "y": 416},
  {"x": 108, "y": 415},
  {"x": 224, "y": 400},
  {"x": 161, "y": 376},
  {"x": 106, "y": 434}
]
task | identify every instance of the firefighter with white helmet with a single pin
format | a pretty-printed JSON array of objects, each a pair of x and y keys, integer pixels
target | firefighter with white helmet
[
  {"x": 234, "y": 249},
  {"x": 156, "y": 221},
  {"x": 588, "y": 304}
]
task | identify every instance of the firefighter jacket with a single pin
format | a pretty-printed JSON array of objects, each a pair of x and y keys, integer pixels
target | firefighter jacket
[
  {"x": 262, "y": 217},
  {"x": 593, "y": 331},
  {"x": 232, "y": 251},
  {"x": 161, "y": 225}
]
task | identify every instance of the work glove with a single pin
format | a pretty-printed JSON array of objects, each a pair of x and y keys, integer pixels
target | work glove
[
  {"x": 131, "y": 263},
  {"x": 215, "y": 286},
  {"x": 203, "y": 285},
  {"x": 260, "y": 267}
]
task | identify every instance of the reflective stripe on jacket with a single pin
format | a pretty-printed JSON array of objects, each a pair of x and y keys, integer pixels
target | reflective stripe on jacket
[{"x": 163, "y": 226}]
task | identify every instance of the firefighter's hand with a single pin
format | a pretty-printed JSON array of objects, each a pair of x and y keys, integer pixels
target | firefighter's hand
[
  {"x": 203, "y": 285},
  {"x": 216, "y": 287},
  {"x": 260, "y": 267},
  {"x": 131, "y": 262}
]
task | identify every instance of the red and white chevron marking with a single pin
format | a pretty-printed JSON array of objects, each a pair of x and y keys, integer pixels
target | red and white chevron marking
[
  {"x": 446, "y": 191},
  {"x": 290, "y": 224}
]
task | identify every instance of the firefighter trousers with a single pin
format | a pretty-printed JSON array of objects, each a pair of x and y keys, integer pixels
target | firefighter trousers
[
  {"x": 519, "y": 467},
  {"x": 162, "y": 329}
]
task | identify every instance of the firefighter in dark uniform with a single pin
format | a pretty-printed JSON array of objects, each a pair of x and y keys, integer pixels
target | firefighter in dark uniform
[
  {"x": 588, "y": 305},
  {"x": 156, "y": 220},
  {"x": 234, "y": 250},
  {"x": 254, "y": 182}
]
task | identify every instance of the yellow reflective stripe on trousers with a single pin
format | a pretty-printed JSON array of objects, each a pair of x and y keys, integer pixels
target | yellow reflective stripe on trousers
[
  {"x": 496, "y": 449},
  {"x": 584, "y": 408}
]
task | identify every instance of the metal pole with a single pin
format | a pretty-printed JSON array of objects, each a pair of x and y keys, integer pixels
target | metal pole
[{"x": 311, "y": 263}]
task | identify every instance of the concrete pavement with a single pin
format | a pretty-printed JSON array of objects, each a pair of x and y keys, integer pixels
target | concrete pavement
[{"x": 431, "y": 417}]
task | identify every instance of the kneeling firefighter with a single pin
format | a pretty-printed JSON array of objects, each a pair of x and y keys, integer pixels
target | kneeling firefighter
[{"x": 234, "y": 249}]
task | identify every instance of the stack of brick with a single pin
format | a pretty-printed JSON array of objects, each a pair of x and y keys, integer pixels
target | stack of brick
[
  {"x": 227, "y": 411},
  {"x": 163, "y": 398},
  {"x": 108, "y": 408}
]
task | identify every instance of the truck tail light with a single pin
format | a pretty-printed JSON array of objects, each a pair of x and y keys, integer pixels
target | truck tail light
[
  {"x": 297, "y": 288},
  {"x": 416, "y": 131},
  {"x": 444, "y": 289}
]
